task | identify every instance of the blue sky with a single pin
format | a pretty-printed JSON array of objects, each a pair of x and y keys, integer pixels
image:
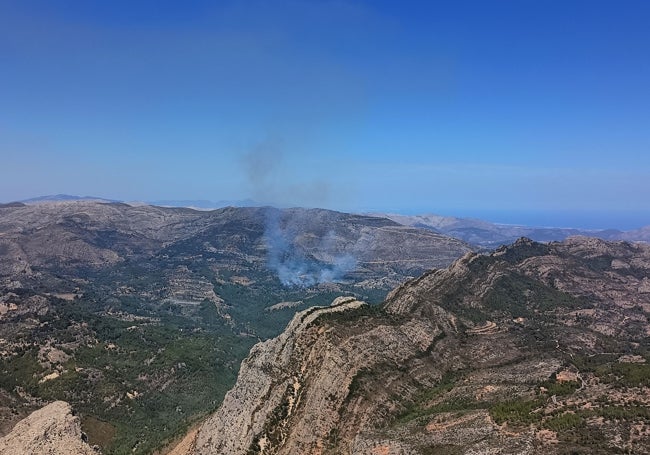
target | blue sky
[{"x": 505, "y": 110}]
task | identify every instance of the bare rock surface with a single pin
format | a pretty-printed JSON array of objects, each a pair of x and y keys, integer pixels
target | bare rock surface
[
  {"x": 516, "y": 352},
  {"x": 51, "y": 430},
  {"x": 266, "y": 381}
]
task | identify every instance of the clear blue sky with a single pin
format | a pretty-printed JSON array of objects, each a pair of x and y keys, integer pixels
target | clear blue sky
[{"x": 487, "y": 108}]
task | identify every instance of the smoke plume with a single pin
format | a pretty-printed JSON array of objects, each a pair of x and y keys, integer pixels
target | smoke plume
[
  {"x": 273, "y": 178},
  {"x": 292, "y": 264},
  {"x": 273, "y": 183}
]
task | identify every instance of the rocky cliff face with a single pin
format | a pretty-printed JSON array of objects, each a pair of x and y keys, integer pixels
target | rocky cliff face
[
  {"x": 52, "y": 430},
  {"x": 532, "y": 349},
  {"x": 268, "y": 386}
]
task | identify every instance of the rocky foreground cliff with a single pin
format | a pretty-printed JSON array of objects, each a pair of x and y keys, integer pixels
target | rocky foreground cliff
[
  {"x": 532, "y": 349},
  {"x": 52, "y": 430}
]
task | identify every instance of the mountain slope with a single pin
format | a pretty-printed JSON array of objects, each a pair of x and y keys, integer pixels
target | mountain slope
[
  {"x": 72, "y": 234},
  {"x": 139, "y": 316},
  {"x": 532, "y": 349}
]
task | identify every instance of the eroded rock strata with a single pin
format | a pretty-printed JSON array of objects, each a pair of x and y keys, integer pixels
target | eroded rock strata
[{"x": 532, "y": 349}]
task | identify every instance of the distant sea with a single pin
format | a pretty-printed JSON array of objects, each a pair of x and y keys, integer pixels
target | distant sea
[{"x": 621, "y": 220}]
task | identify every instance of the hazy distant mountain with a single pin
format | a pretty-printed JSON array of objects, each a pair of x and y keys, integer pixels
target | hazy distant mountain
[
  {"x": 12, "y": 204},
  {"x": 490, "y": 235},
  {"x": 637, "y": 235},
  {"x": 471, "y": 230},
  {"x": 205, "y": 204},
  {"x": 65, "y": 198},
  {"x": 190, "y": 203}
]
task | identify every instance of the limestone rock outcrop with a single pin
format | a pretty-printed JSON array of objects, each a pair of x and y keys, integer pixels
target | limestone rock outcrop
[
  {"x": 51, "y": 430},
  {"x": 469, "y": 359}
]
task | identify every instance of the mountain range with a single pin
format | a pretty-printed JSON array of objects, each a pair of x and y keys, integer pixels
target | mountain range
[
  {"x": 491, "y": 235},
  {"x": 531, "y": 349},
  {"x": 139, "y": 316},
  {"x": 481, "y": 233}
]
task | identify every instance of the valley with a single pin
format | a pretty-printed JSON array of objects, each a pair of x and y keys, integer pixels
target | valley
[
  {"x": 140, "y": 316},
  {"x": 324, "y": 227},
  {"x": 164, "y": 329}
]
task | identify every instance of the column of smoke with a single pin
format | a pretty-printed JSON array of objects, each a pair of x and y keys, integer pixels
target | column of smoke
[{"x": 292, "y": 265}]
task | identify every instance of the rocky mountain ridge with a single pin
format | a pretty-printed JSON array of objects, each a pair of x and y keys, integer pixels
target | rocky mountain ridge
[
  {"x": 533, "y": 349},
  {"x": 82, "y": 233}
]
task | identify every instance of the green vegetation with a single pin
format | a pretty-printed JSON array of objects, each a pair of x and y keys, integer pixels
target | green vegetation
[
  {"x": 559, "y": 388},
  {"x": 146, "y": 380},
  {"x": 98, "y": 431},
  {"x": 512, "y": 295},
  {"x": 443, "y": 449},
  {"x": 524, "y": 250},
  {"x": 376, "y": 312},
  {"x": 610, "y": 412},
  {"x": 610, "y": 371},
  {"x": 564, "y": 422},
  {"x": 518, "y": 412},
  {"x": 143, "y": 368},
  {"x": 454, "y": 303},
  {"x": 273, "y": 425},
  {"x": 625, "y": 374},
  {"x": 418, "y": 407},
  {"x": 599, "y": 263},
  {"x": 356, "y": 384},
  {"x": 20, "y": 370},
  {"x": 248, "y": 303},
  {"x": 520, "y": 296}
]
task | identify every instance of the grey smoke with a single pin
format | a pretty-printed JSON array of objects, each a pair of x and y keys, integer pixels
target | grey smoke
[
  {"x": 262, "y": 159},
  {"x": 268, "y": 168},
  {"x": 260, "y": 163},
  {"x": 271, "y": 183},
  {"x": 292, "y": 265}
]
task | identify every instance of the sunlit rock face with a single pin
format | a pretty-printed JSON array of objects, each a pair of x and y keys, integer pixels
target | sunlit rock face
[
  {"x": 535, "y": 348},
  {"x": 51, "y": 430}
]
